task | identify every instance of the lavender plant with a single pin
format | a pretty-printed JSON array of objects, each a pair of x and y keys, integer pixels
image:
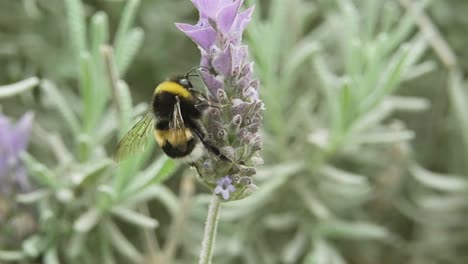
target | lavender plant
[
  {"x": 359, "y": 166},
  {"x": 16, "y": 222},
  {"x": 13, "y": 141},
  {"x": 227, "y": 73},
  {"x": 81, "y": 197}
]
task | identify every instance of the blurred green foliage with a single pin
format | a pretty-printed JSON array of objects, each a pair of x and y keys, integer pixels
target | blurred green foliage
[{"x": 365, "y": 134}]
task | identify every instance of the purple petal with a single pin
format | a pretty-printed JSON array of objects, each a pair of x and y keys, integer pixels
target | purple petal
[
  {"x": 243, "y": 82},
  {"x": 239, "y": 55},
  {"x": 250, "y": 93},
  {"x": 218, "y": 189},
  {"x": 205, "y": 60},
  {"x": 227, "y": 180},
  {"x": 243, "y": 19},
  {"x": 231, "y": 188},
  {"x": 222, "y": 62},
  {"x": 211, "y": 82},
  {"x": 226, "y": 15},
  {"x": 21, "y": 133},
  {"x": 221, "y": 182},
  {"x": 225, "y": 194},
  {"x": 204, "y": 37},
  {"x": 6, "y": 132},
  {"x": 207, "y": 8},
  {"x": 247, "y": 70},
  {"x": 255, "y": 84}
]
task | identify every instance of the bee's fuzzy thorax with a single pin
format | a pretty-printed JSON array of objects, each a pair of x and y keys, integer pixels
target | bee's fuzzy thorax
[{"x": 175, "y": 88}]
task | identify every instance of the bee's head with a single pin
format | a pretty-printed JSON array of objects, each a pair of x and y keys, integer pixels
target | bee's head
[{"x": 183, "y": 81}]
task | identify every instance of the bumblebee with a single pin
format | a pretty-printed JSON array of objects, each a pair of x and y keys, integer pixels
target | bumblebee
[{"x": 175, "y": 120}]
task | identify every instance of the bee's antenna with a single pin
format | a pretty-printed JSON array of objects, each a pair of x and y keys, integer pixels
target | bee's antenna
[{"x": 193, "y": 69}]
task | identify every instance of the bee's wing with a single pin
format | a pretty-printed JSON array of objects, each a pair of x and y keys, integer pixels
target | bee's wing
[
  {"x": 136, "y": 138},
  {"x": 177, "y": 126}
]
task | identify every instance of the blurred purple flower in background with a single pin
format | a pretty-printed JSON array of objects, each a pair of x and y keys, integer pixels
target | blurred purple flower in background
[
  {"x": 228, "y": 75},
  {"x": 13, "y": 141}
]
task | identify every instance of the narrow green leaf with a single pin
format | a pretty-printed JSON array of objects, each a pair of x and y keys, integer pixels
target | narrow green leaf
[
  {"x": 407, "y": 103},
  {"x": 133, "y": 217},
  {"x": 459, "y": 99},
  {"x": 329, "y": 89},
  {"x": 346, "y": 105},
  {"x": 99, "y": 32},
  {"x": 87, "y": 220},
  {"x": 383, "y": 137},
  {"x": 90, "y": 173},
  {"x": 51, "y": 256},
  {"x": 130, "y": 46},
  {"x": 323, "y": 253},
  {"x": 281, "y": 221},
  {"x": 299, "y": 55},
  {"x": 32, "y": 197},
  {"x": 33, "y": 246},
  {"x": 122, "y": 244},
  {"x": 76, "y": 244},
  {"x": 124, "y": 102},
  {"x": 85, "y": 146},
  {"x": 107, "y": 256},
  {"x": 61, "y": 104},
  {"x": 18, "y": 87},
  {"x": 39, "y": 171},
  {"x": 159, "y": 192},
  {"x": 99, "y": 38},
  {"x": 372, "y": 9},
  {"x": 88, "y": 93},
  {"x": 372, "y": 118},
  {"x": 76, "y": 26},
  {"x": 279, "y": 175},
  {"x": 438, "y": 181},
  {"x": 158, "y": 172},
  {"x": 404, "y": 27},
  {"x": 312, "y": 203},
  {"x": 353, "y": 230},
  {"x": 295, "y": 248},
  {"x": 126, "y": 22},
  {"x": 343, "y": 177},
  {"x": 7, "y": 255},
  {"x": 444, "y": 204},
  {"x": 388, "y": 81},
  {"x": 420, "y": 70}
]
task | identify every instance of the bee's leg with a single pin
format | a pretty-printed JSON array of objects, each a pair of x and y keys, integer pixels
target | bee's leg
[
  {"x": 215, "y": 151},
  {"x": 204, "y": 102},
  {"x": 198, "y": 130}
]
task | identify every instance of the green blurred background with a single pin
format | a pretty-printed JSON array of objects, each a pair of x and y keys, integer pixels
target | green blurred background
[{"x": 365, "y": 142}]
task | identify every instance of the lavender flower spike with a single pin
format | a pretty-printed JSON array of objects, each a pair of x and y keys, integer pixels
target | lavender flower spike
[
  {"x": 13, "y": 141},
  {"x": 228, "y": 76}
]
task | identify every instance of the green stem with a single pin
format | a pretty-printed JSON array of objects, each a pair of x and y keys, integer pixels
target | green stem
[{"x": 209, "y": 236}]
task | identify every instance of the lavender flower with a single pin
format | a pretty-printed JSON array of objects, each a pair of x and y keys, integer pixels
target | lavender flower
[
  {"x": 224, "y": 187},
  {"x": 228, "y": 75},
  {"x": 13, "y": 141}
]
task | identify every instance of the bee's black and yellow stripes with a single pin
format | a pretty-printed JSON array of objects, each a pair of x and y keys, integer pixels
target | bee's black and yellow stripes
[
  {"x": 175, "y": 119},
  {"x": 173, "y": 88}
]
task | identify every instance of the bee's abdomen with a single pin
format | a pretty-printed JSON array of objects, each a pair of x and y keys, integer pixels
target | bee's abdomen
[{"x": 175, "y": 153}]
